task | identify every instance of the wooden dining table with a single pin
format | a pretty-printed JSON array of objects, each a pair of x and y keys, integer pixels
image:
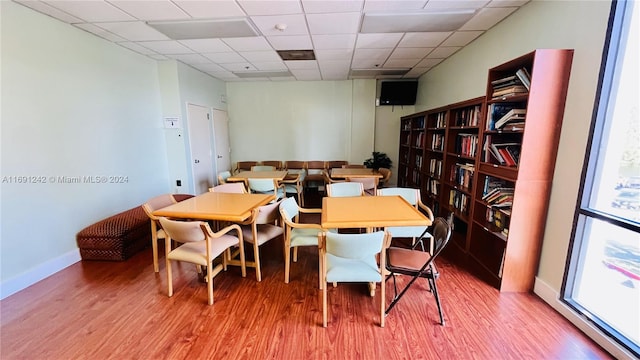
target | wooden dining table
[
  {"x": 343, "y": 173},
  {"x": 245, "y": 175},
  {"x": 370, "y": 212},
  {"x": 216, "y": 206}
]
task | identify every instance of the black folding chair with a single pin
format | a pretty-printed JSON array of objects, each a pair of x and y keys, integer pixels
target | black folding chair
[{"x": 418, "y": 263}]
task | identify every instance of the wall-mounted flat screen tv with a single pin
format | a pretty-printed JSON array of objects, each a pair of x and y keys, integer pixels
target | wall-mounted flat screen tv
[{"x": 398, "y": 92}]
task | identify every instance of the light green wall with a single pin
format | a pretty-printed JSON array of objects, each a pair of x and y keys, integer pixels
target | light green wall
[
  {"x": 579, "y": 25},
  {"x": 387, "y": 133},
  {"x": 72, "y": 105},
  {"x": 303, "y": 120}
]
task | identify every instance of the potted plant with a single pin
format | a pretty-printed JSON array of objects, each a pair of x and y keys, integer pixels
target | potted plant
[{"x": 378, "y": 160}]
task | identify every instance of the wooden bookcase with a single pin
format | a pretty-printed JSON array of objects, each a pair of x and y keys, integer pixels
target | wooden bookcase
[{"x": 458, "y": 177}]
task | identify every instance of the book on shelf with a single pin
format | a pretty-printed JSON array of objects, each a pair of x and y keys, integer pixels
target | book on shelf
[
  {"x": 496, "y": 111},
  {"x": 505, "y": 153},
  {"x": 512, "y": 115},
  {"x": 524, "y": 77},
  {"x": 466, "y": 144},
  {"x": 505, "y": 81},
  {"x": 491, "y": 184},
  {"x": 512, "y": 90},
  {"x": 516, "y": 125}
]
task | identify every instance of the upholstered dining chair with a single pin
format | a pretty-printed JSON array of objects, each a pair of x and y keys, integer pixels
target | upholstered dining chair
[
  {"x": 277, "y": 164},
  {"x": 200, "y": 246},
  {"x": 344, "y": 189},
  {"x": 336, "y": 164},
  {"x": 153, "y": 204},
  {"x": 296, "y": 233},
  {"x": 244, "y": 166},
  {"x": 386, "y": 175},
  {"x": 412, "y": 196},
  {"x": 223, "y": 176},
  {"x": 369, "y": 184},
  {"x": 263, "y": 168},
  {"x": 315, "y": 173},
  {"x": 419, "y": 264},
  {"x": 293, "y": 185},
  {"x": 352, "y": 258},
  {"x": 266, "y": 186},
  {"x": 232, "y": 187},
  {"x": 262, "y": 226}
]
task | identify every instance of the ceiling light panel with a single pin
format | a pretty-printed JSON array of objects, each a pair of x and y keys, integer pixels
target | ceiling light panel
[
  {"x": 133, "y": 31},
  {"x": 205, "y": 29},
  {"x": 151, "y": 10},
  {"x": 91, "y": 11},
  {"x": 414, "y": 22},
  {"x": 295, "y": 25},
  {"x": 252, "y": 74},
  {"x": 210, "y": 9},
  {"x": 296, "y": 55}
]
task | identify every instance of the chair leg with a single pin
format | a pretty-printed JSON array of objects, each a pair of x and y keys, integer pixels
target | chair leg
[
  {"x": 256, "y": 259},
  {"x": 382, "y": 297},
  {"x": 295, "y": 254},
  {"x": 287, "y": 263},
  {"x": 169, "y": 280},
  {"x": 324, "y": 303},
  {"x": 154, "y": 245},
  {"x": 432, "y": 284},
  {"x": 209, "y": 283}
]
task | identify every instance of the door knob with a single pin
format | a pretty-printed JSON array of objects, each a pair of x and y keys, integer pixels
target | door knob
[{"x": 197, "y": 161}]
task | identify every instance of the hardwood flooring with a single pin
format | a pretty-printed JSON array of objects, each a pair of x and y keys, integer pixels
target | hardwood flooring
[{"x": 120, "y": 310}]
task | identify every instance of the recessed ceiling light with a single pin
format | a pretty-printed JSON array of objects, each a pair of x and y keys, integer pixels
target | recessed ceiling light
[
  {"x": 205, "y": 29},
  {"x": 288, "y": 55},
  {"x": 415, "y": 22}
]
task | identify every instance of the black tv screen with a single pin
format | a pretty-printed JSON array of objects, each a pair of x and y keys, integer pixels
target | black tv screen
[{"x": 398, "y": 92}]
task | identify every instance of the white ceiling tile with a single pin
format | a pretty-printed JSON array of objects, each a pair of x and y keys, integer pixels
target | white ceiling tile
[
  {"x": 158, "y": 57},
  {"x": 334, "y": 65},
  {"x": 91, "y": 11},
  {"x": 461, "y": 38},
  {"x": 206, "y": 45},
  {"x": 100, "y": 32},
  {"x": 379, "y": 55},
  {"x": 334, "y": 74},
  {"x": 302, "y": 64},
  {"x": 307, "y": 74},
  {"x": 191, "y": 59},
  {"x": 334, "y": 23},
  {"x": 225, "y": 57},
  {"x": 416, "y": 72},
  {"x": 200, "y": 9},
  {"x": 487, "y": 17},
  {"x": 295, "y": 25},
  {"x": 430, "y": 39},
  {"x": 133, "y": 30},
  {"x": 444, "y": 5},
  {"x": 443, "y": 52},
  {"x": 242, "y": 66},
  {"x": 401, "y": 63},
  {"x": 337, "y": 54},
  {"x": 376, "y": 41},
  {"x": 51, "y": 11},
  {"x": 410, "y": 53},
  {"x": 166, "y": 47},
  {"x": 331, "y": 6},
  {"x": 394, "y": 5},
  {"x": 223, "y": 75},
  {"x": 345, "y": 41},
  {"x": 299, "y": 42},
  {"x": 261, "y": 7},
  {"x": 151, "y": 10},
  {"x": 429, "y": 63},
  {"x": 268, "y": 66},
  {"x": 366, "y": 63},
  {"x": 283, "y": 78},
  {"x": 255, "y": 43},
  {"x": 261, "y": 56}
]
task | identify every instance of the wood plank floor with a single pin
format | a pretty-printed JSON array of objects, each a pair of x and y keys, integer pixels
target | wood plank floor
[{"x": 120, "y": 310}]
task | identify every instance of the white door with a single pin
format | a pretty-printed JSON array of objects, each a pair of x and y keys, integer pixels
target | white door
[
  {"x": 200, "y": 130},
  {"x": 221, "y": 136}
]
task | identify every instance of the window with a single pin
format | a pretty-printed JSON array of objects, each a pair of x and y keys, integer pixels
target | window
[{"x": 602, "y": 281}]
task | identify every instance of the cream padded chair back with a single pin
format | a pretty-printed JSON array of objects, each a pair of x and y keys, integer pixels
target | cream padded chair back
[
  {"x": 263, "y": 168},
  {"x": 223, "y": 176},
  {"x": 234, "y": 187},
  {"x": 155, "y": 203},
  {"x": 344, "y": 189}
]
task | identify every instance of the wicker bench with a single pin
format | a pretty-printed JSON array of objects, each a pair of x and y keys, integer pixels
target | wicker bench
[{"x": 117, "y": 237}]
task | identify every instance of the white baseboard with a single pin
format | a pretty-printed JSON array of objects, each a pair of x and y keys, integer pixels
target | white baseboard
[
  {"x": 42, "y": 271},
  {"x": 552, "y": 297}
]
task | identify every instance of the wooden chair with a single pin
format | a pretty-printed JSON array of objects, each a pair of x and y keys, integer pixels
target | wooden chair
[
  {"x": 413, "y": 197},
  {"x": 199, "y": 246},
  {"x": 244, "y": 166},
  {"x": 369, "y": 184},
  {"x": 157, "y": 232},
  {"x": 266, "y": 186},
  {"x": 344, "y": 189},
  {"x": 297, "y": 233},
  {"x": 336, "y": 164},
  {"x": 293, "y": 185},
  {"x": 277, "y": 164},
  {"x": 315, "y": 170},
  {"x": 263, "y": 168},
  {"x": 352, "y": 258},
  {"x": 261, "y": 227},
  {"x": 223, "y": 176},
  {"x": 386, "y": 175},
  {"x": 419, "y": 264}
]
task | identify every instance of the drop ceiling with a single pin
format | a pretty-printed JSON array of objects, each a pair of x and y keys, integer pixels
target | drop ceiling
[{"x": 242, "y": 40}]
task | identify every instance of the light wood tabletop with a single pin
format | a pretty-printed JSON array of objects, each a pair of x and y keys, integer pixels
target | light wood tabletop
[
  {"x": 244, "y": 175},
  {"x": 370, "y": 212},
  {"x": 216, "y": 206},
  {"x": 341, "y": 173}
]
